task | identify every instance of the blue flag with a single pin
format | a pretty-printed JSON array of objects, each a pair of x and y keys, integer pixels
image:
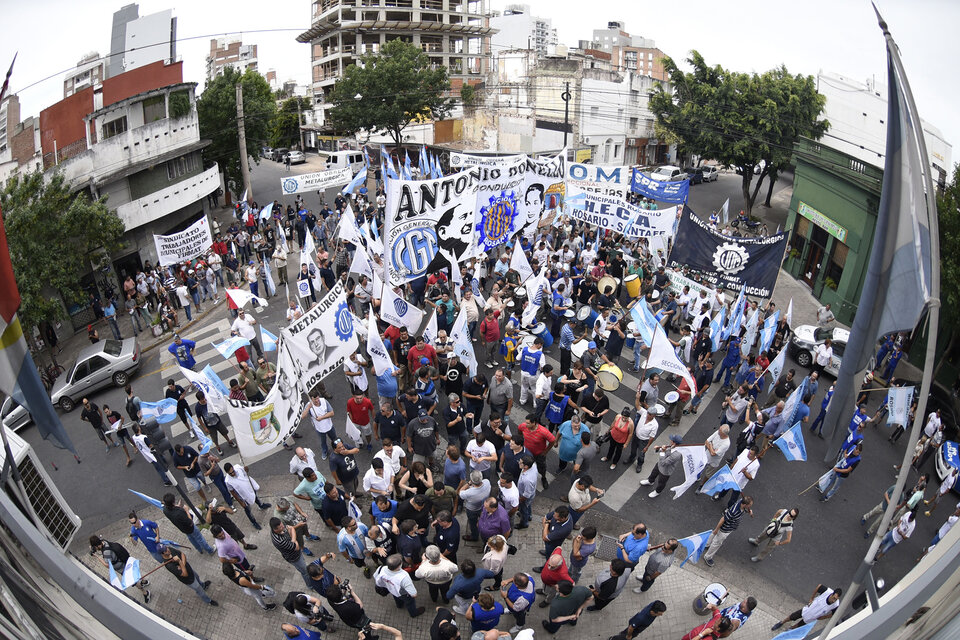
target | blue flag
[
  {"x": 768, "y": 331},
  {"x": 720, "y": 481},
  {"x": 205, "y": 442},
  {"x": 164, "y": 411},
  {"x": 796, "y": 634},
  {"x": 791, "y": 443},
  {"x": 269, "y": 340},
  {"x": 146, "y": 498},
  {"x": 695, "y": 546},
  {"x": 436, "y": 172},
  {"x": 716, "y": 330},
  {"x": 407, "y": 172},
  {"x": 644, "y": 320}
]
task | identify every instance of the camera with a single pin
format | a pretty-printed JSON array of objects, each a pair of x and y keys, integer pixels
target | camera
[
  {"x": 368, "y": 634},
  {"x": 345, "y": 588}
]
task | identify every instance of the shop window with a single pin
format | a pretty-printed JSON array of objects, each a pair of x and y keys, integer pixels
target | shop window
[{"x": 838, "y": 259}]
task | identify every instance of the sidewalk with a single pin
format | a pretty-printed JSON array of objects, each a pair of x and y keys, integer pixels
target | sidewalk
[{"x": 238, "y": 616}]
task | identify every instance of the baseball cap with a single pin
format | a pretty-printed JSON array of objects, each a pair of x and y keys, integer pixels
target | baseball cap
[
  {"x": 675, "y": 439},
  {"x": 423, "y": 413},
  {"x": 592, "y": 345},
  {"x": 424, "y": 360}
]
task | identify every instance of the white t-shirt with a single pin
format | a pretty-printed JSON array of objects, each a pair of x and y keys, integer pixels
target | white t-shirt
[
  {"x": 244, "y": 326},
  {"x": 819, "y": 607},
  {"x": 904, "y": 528},
  {"x": 144, "y": 448},
  {"x": 183, "y": 294},
  {"x": 647, "y": 426},
  {"x": 933, "y": 423},
  {"x": 325, "y": 425},
  {"x": 360, "y": 381},
  {"x": 242, "y": 484},
  {"x": 945, "y": 528},
  {"x": 742, "y": 464},
  {"x": 510, "y": 496},
  {"x": 381, "y": 483},
  {"x": 478, "y": 450},
  {"x": 720, "y": 445},
  {"x": 297, "y": 465}
]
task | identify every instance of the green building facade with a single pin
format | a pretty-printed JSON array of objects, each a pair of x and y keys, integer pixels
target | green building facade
[{"x": 831, "y": 221}]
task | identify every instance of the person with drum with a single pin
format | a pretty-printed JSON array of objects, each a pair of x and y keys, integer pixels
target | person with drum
[
  {"x": 591, "y": 360},
  {"x": 558, "y": 310},
  {"x": 567, "y": 337}
]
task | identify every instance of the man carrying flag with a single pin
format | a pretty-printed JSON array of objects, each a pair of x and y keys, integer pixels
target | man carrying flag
[
  {"x": 728, "y": 523},
  {"x": 124, "y": 570}
]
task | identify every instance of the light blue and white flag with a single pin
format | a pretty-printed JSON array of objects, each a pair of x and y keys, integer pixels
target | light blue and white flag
[
  {"x": 796, "y": 634},
  {"x": 899, "y": 400},
  {"x": 406, "y": 173},
  {"x": 644, "y": 319},
  {"x": 720, "y": 481},
  {"x": 358, "y": 179},
  {"x": 716, "y": 330},
  {"x": 424, "y": 163},
  {"x": 218, "y": 399},
  {"x": 736, "y": 317},
  {"x": 769, "y": 330},
  {"x": 747, "y": 343},
  {"x": 205, "y": 442},
  {"x": 791, "y": 443},
  {"x": 130, "y": 577},
  {"x": 793, "y": 402},
  {"x": 387, "y": 162},
  {"x": 695, "y": 546},
  {"x": 215, "y": 380},
  {"x": 725, "y": 211},
  {"x": 163, "y": 411},
  {"x": 230, "y": 345},
  {"x": 776, "y": 367},
  {"x": 146, "y": 498},
  {"x": 268, "y": 339},
  {"x": 266, "y": 212},
  {"x": 437, "y": 172}
]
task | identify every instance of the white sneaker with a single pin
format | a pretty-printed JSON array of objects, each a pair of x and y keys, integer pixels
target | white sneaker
[
  {"x": 514, "y": 630},
  {"x": 646, "y": 483},
  {"x": 653, "y": 494},
  {"x": 460, "y": 611}
]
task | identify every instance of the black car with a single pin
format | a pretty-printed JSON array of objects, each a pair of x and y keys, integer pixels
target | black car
[
  {"x": 695, "y": 175},
  {"x": 940, "y": 398}
]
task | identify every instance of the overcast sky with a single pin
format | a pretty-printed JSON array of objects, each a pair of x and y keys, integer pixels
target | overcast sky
[{"x": 748, "y": 35}]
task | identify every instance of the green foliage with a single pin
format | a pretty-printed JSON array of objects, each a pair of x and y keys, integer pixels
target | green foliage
[
  {"x": 948, "y": 215},
  {"x": 396, "y": 87},
  {"x": 285, "y": 129},
  {"x": 179, "y": 104},
  {"x": 52, "y": 233},
  {"x": 468, "y": 94},
  {"x": 739, "y": 119},
  {"x": 217, "y": 111}
]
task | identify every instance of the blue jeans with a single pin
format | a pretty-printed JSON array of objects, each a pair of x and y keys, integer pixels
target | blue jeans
[
  {"x": 114, "y": 327},
  {"x": 817, "y": 425},
  {"x": 218, "y": 274},
  {"x": 196, "y": 298},
  {"x": 253, "y": 521},
  {"x": 835, "y": 481},
  {"x": 199, "y": 543},
  {"x": 887, "y": 543},
  {"x": 221, "y": 483},
  {"x": 197, "y": 586},
  {"x": 255, "y": 288},
  {"x": 637, "y": 354},
  {"x": 135, "y": 324},
  {"x": 301, "y": 566},
  {"x": 328, "y": 435},
  {"x": 160, "y": 470},
  {"x": 186, "y": 309},
  {"x": 695, "y": 402},
  {"x": 526, "y": 509}
]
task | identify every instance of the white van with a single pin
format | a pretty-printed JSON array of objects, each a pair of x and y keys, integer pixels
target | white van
[{"x": 341, "y": 159}]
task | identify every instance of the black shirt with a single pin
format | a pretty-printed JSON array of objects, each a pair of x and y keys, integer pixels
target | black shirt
[
  {"x": 391, "y": 426},
  {"x": 474, "y": 388},
  {"x": 449, "y": 415},
  {"x": 586, "y": 290},
  {"x": 596, "y": 406},
  {"x": 180, "y": 519},
  {"x": 406, "y": 511},
  {"x": 174, "y": 568},
  {"x": 401, "y": 347},
  {"x": 175, "y": 394},
  {"x": 286, "y": 546},
  {"x": 344, "y": 466},
  {"x": 185, "y": 460},
  {"x": 412, "y": 409},
  {"x": 334, "y": 510},
  {"x": 410, "y": 547},
  {"x": 453, "y": 382},
  {"x": 448, "y": 539},
  {"x": 350, "y": 612},
  {"x": 443, "y": 615},
  {"x": 93, "y": 416}
]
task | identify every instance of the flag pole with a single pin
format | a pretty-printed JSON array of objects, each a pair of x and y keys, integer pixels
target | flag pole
[{"x": 933, "y": 319}]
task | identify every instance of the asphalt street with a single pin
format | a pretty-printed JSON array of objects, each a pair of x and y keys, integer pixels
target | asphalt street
[{"x": 827, "y": 543}]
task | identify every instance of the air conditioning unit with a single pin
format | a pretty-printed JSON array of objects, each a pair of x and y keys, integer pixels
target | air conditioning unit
[{"x": 53, "y": 512}]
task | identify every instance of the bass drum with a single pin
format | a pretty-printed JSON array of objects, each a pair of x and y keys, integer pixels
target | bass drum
[
  {"x": 608, "y": 281},
  {"x": 577, "y": 349},
  {"x": 609, "y": 377}
]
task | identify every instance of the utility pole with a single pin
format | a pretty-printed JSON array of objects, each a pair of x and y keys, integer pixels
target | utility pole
[
  {"x": 303, "y": 147},
  {"x": 565, "y": 96},
  {"x": 242, "y": 134}
]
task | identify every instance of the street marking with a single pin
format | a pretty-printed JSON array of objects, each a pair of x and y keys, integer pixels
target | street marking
[{"x": 219, "y": 326}]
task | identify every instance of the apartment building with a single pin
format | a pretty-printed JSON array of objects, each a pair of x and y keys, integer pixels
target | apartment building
[
  {"x": 230, "y": 53},
  {"x": 517, "y": 28},
  {"x": 90, "y": 71}
]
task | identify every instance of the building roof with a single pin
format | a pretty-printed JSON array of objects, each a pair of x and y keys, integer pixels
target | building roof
[{"x": 137, "y": 98}]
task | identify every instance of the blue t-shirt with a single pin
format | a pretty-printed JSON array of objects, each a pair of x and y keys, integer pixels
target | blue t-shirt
[
  {"x": 514, "y": 594},
  {"x": 386, "y": 385},
  {"x": 635, "y": 548},
  {"x": 468, "y": 587},
  {"x": 485, "y": 619},
  {"x": 530, "y": 361},
  {"x": 569, "y": 443},
  {"x": 383, "y": 517},
  {"x": 325, "y": 581},
  {"x": 183, "y": 352},
  {"x": 642, "y": 620},
  {"x": 147, "y": 534},
  {"x": 454, "y": 472},
  {"x": 303, "y": 635}
]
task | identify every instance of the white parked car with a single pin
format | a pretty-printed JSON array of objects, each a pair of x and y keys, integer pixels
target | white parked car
[
  {"x": 297, "y": 157},
  {"x": 14, "y": 416},
  {"x": 669, "y": 173},
  {"x": 710, "y": 172},
  {"x": 806, "y": 339}
]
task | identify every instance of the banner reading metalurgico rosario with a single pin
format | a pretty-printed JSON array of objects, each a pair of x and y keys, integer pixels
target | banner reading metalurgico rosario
[
  {"x": 316, "y": 181},
  {"x": 615, "y": 214},
  {"x": 662, "y": 191},
  {"x": 725, "y": 261}
]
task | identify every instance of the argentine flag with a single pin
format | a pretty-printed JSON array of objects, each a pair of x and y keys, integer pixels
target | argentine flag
[
  {"x": 791, "y": 443},
  {"x": 146, "y": 498},
  {"x": 215, "y": 380},
  {"x": 768, "y": 331},
  {"x": 645, "y": 321},
  {"x": 716, "y": 330},
  {"x": 736, "y": 317},
  {"x": 230, "y": 345},
  {"x": 358, "y": 179},
  {"x": 205, "y": 442},
  {"x": 720, "y": 481},
  {"x": 796, "y": 634},
  {"x": 130, "y": 577},
  {"x": 695, "y": 546},
  {"x": 163, "y": 411},
  {"x": 269, "y": 340}
]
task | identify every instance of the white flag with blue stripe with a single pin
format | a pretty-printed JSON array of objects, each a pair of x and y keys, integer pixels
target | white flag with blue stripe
[
  {"x": 205, "y": 442},
  {"x": 899, "y": 400},
  {"x": 736, "y": 317},
  {"x": 646, "y": 323},
  {"x": 716, "y": 330},
  {"x": 720, "y": 481},
  {"x": 695, "y": 546},
  {"x": 796, "y": 634},
  {"x": 776, "y": 367},
  {"x": 769, "y": 330},
  {"x": 229, "y": 346},
  {"x": 211, "y": 390},
  {"x": 146, "y": 498},
  {"x": 269, "y": 340},
  {"x": 130, "y": 577},
  {"x": 752, "y": 325},
  {"x": 791, "y": 443},
  {"x": 163, "y": 411},
  {"x": 358, "y": 179}
]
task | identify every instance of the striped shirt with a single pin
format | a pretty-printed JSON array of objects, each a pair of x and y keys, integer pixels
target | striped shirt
[{"x": 732, "y": 517}]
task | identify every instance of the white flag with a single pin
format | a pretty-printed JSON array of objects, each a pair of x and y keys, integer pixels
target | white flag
[
  {"x": 663, "y": 356},
  {"x": 361, "y": 264},
  {"x": 725, "y": 211},
  {"x": 457, "y": 279},
  {"x": 376, "y": 349},
  {"x": 535, "y": 292},
  {"x": 210, "y": 390},
  {"x": 753, "y": 324},
  {"x": 377, "y": 285},
  {"x": 519, "y": 263},
  {"x": 462, "y": 344},
  {"x": 241, "y": 297},
  {"x": 776, "y": 367},
  {"x": 789, "y": 315},
  {"x": 307, "y": 249},
  {"x": 373, "y": 244},
  {"x": 430, "y": 333},
  {"x": 399, "y": 312},
  {"x": 348, "y": 230},
  {"x": 694, "y": 461},
  {"x": 899, "y": 400}
]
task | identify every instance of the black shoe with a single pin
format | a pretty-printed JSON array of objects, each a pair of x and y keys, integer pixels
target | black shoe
[
  {"x": 214, "y": 603},
  {"x": 270, "y": 607},
  {"x": 543, "y": 553},
  {"x": 538, "y": 570},
  {"x": 419, "y": 612},
  {"x": 206, "y": 583},
  {"x": 144, "y": 583},
  {"x": 146, "y": 597},
  {"x": 265, "y": 505}
]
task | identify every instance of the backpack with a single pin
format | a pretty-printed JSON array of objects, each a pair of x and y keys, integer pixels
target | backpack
[
  {"x": 132, "y": 410},
  {"x": 118, "y": 550}
]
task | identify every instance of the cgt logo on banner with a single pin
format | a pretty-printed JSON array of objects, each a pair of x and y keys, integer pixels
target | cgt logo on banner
[
  {"x": 185, "y": 245},
  {"x": 616, "y": 214},
  {"x": 725, "y": 261},
  {"x": 499, "y": 203},
  {"x": 260, "y": 427},
  {"x": 661, "y": 191},
  {"x": 399, "y": 312},
  {"x": 321, "y": 339},
  {"x": 315, "y": 181}
]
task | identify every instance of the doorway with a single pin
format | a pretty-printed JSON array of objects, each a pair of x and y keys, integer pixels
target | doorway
[{"x": 818, "y": 244}]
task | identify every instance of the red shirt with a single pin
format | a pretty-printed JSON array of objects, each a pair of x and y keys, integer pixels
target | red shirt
[
  {"x": 359, "y": 412},
  {"x": 414, "y": 355},
  {"x": 536, "y": 441},
  {"x": 241, "y": 353},
  {"x": 490, "y": 330},
  {"x": 392, "y": 334},
  {"x": 684, "y": 391},
  {"x": 552, "y": 578},
  {"x": 220, "y": 248}
]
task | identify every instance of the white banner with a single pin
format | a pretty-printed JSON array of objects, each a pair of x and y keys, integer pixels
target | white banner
[
  {"x": 464, "y": 160},
  {"x": 597, "y": 180},
  {"x": 303, "y": 288},
  {"x": 376, "y": 349},
  {"x": 678, "y": 281},
  {"x": 429, "y": 224},
  {"x": 543, "y": 191},
  {"x": 899, "y": 400},
  {"x": 185, "y": 245},
  {"x": 321, "y": 339},
  {"x": 694, "y": 461},
  {"x": 315, "y": 181},
  {"x": 462, "y": 345},
  {"x": 616, "y": 214},
  {"x": 261, "y": 427},
  {"x": 399, "y": 312}
]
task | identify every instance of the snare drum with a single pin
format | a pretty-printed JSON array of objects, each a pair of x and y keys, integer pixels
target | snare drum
[
  {"x": 570, "y": 314},
  {"x": 609, "y": 377},
  {"x": 671, "y": 397},
  {"x": 630, "y": 340},
  {"x": 658, "y": 409}
]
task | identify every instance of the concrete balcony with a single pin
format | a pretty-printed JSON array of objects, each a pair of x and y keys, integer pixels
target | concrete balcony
[
  {"x": 170, "y": 199},
  {"x": 121, "y": 152}
]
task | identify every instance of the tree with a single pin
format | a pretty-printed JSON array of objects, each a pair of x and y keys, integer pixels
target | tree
[
  {"x": 948, "y": 217},
  {"x": 52, "y": 234},
  {"x": 217, "y": 111},
  {"x": 389, "y": 90},
  {"x": 285, "y": 130},
  {"x": 739, "y": 119}
]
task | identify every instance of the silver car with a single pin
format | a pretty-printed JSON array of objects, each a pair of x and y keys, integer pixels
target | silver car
[
  {"x": 13, "y": 415},
  {"x": 103, "y": 363}
]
